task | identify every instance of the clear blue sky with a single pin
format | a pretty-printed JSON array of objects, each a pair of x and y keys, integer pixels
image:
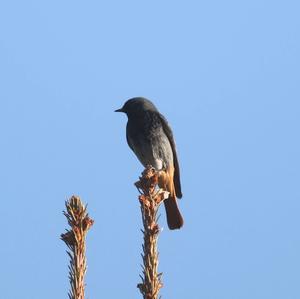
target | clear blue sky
[{"x": 226, "y": 74}]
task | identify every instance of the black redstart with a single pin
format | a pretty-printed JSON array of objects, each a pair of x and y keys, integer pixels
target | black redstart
[{"x": 151, "y": 139}]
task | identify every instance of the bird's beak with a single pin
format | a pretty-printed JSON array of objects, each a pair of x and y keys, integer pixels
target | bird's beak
[{"x": 119, "y": 110}]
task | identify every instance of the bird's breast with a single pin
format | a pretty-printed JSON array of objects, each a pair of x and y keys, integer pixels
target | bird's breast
[{"x": 150, "y": 144}]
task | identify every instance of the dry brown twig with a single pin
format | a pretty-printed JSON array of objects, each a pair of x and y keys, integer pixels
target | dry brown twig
[
  {"x": 150, "y": 199},
  {"x": 80, "y": 223}
]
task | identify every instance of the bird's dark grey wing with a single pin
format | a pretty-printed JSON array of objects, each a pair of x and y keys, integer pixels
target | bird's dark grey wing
[{"x": 169, "y": 133}]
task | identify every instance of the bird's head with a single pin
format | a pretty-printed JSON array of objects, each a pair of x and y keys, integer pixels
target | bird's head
[{"x": 137, "y": 106}]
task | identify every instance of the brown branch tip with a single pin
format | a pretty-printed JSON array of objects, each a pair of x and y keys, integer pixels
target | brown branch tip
[
  {"x": 80, "y": 223},
  {"x": 150, "y": 199}
]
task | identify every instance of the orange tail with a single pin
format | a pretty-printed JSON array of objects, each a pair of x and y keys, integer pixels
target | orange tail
[{"x": 174, "y": 218}]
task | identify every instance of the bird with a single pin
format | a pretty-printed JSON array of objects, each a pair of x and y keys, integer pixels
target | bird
[{"x": 151, "y": 138}]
